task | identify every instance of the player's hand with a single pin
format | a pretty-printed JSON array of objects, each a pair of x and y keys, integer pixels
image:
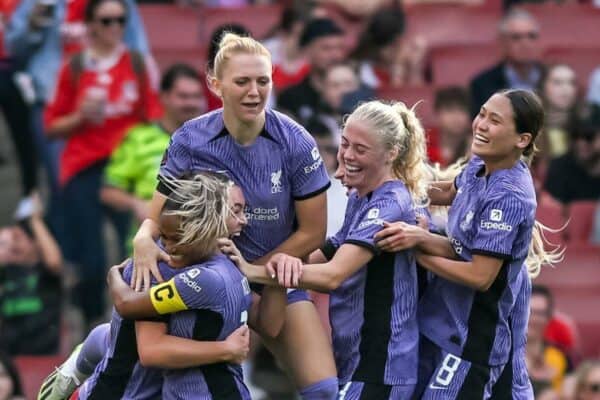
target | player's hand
[
  {"x": 398, "y": 236},
  {"x": 423, "y": 221},
  {"x": 229, "y": 248},
  {"x": 238, "y": 344},
  {"x": 289, "y": 269},
  {"x": 116, "y": 272},
  {"x": 146, "y": 255}
]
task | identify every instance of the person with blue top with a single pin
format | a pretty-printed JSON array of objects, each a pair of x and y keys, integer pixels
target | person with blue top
[{"x": 473, "y": 314}]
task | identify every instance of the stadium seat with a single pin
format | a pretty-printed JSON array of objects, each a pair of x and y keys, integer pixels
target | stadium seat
[
  {"x": 458, "y": 64},
  {"x": 195, "y": 56},
  {"x": 258, "y": 19},
  {"x": 451, "y": 24},
  {"x": 583, "y": 60},
  {"x": 581, "y": 220},
  {"x": 567, "y": 24},
  {"x": 33, "y": 370},
  {"x": 577, "y": 273},
  {"x": 171, "y": 27},
  {"x": 550, "y": 213},
  {"x": 410, "y": 95}
]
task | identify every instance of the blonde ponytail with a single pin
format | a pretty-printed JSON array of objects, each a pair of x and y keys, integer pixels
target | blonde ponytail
[
  {"x": 231, "y": 44},
  {"x": 538, "y": 254}
]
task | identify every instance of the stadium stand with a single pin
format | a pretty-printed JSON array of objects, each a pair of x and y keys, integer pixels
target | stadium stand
[
  {"x": 34, "y": 369},
  {"x": 410, "y": 95}
]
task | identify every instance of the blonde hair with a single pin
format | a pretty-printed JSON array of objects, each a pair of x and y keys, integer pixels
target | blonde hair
[
  {"x": 201, "y": 203},
  {"x": 231, "y": 44},
  {"x": 538, "y": 253},
  {"x": 398, "y": 127}
]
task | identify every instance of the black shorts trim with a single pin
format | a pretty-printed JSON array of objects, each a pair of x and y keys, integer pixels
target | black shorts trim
[
  {"x": 473, "y": 386},
  {"x": 313, "y": 194}
]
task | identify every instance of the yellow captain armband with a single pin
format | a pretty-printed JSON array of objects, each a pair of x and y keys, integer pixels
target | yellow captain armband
[{"x": 166, "y": 299}]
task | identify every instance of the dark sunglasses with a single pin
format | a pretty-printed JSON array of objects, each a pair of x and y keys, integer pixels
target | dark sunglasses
[
  {"x": 521, "y": 36},
  {"x": 108, "y": 21},
  {"x": 593, "y": 387}
]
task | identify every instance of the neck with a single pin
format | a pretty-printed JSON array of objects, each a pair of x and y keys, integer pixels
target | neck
[
  {"x": 243, "y": 132},
  {"x": 375, "y": 185},
  {"x": 495, "y": 164},
  {"x": 556, "y": 117},
  {"x": 169, "y": 124},
  {"x": 101, "y": 49}
]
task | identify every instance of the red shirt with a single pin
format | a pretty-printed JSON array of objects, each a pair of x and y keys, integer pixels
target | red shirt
[
  {"x": 283, "y": 79},
  {"x": 92, "y": 142},
  {"x": 6, "y": 9}
]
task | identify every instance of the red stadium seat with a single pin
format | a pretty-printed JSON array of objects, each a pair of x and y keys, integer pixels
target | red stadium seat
[
  {"x": 33, "y": 370},
  {"x": 567, "y": 24},
  {"x": 551, "y": 213},
  {"x": 410, "y": 95},
  {"x": 194, "y": 56},
  {"x": 581, "y": 220},
  {"x": 259, "y": 19},
  {"x": 577, "y": 273},
  {"x": 171, "y": 27},
  {"x": 458, "y": 64},
  {"x": 582, "y": 59},
  {"x": 451, "y": 24}
]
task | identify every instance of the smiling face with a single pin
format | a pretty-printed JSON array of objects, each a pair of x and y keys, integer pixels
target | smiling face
[
  {"x": 494, "y": 133},
  {"x": 236, "y": 219},
  {"x": 366, "y": 162},
  {"x": 244, "y": 86}
]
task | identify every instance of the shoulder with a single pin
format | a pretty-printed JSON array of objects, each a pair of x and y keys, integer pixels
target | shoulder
[
  {"x": 287, "y": 131},
  {"x": 391, "y": 200},
  {"x": 200, "y": 130},
  {"x": 492, "y": 72}
]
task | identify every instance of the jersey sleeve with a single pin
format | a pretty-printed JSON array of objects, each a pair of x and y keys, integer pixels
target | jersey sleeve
[
  {"x": 176, "y": 159},
  {"x": 498, "y": 226},
  {"x": 371, "y": 221},
  {"x": 196, "y": 288},
  {"x": 64, "y": 97},
  {"x": 123, "y": 166},
  {"x": 309, "y": 176}
]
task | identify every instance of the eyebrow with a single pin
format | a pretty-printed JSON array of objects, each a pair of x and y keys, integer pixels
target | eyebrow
[{"x": 493, "y": 113}]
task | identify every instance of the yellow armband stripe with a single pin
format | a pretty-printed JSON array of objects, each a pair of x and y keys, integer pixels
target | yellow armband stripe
[{"x": 166, "y": 299}]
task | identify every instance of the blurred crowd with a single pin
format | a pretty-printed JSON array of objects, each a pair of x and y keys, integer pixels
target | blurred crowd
[{"x": 85, "y": 102}]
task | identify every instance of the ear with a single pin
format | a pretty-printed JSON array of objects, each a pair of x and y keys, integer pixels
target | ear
[
  {"x": 214, "y": 85},
  {"x": 392, "y": 155},
  {"x": 524, "y": 140}
]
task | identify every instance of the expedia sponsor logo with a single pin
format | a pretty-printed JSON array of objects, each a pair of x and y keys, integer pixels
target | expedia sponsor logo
[
  {"x": 189, "y": 282},
  {"x": 376, "y": 221},
  {"x": 262, "y": 214},
  {"x": 193, "y": 273},
  {"x": 500, "y": 226},
  {"x": 313, "y": 167}
]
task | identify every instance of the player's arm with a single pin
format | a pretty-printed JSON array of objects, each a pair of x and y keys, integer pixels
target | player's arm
[
  {"x": 311, "y": 216},
  {"x": 158, "y": 349},
  {"x": 267, "y": 313},
  {"x": 478, "y": 274},
  {"x": 441, "y": 193},
  {"x": 129, "y": 303},
  {"x": 398, "y": 236}
]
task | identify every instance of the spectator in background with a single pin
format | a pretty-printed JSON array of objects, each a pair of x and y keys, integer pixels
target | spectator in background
[
  {"x": 519, "y": 67},
  {"x": 385, "y": 56},
  {"x": 339, "y": 81},
  {"x": 587, "y": 386},
  {"x": 213, "y": 101},
  {"x": 15, "y": 94},
  {"x": 101, "y": 93},
  {"x": 576, "y": 175},
  {"x": 558, "y": 89},
  {"x": 290, "y": 66},
  {"x": 130, "y": 176},
  {"x": 451, "y": 139},
  {"x": 546, "y": 364},
  {"x": 10, "y": 382},
  {"x": 30, "y": 286},
  {"x": 593, "y": 94},
  {"x": 322, "y": 42},
  {"x": 41, "y": 34}
]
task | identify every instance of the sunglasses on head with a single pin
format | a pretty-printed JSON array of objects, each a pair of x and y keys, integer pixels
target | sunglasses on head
[
  {"x": 108, "y": 21},
  {"x": 526, "y": 35}
]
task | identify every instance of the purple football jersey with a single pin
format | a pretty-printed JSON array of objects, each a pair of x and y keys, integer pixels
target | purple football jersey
[
  {"x": 119, "y": 375},
  {"x": 493, "y": 216},
  {"x": 373, "y": 312},
  {"x": 282, "y": 165},
  {"x": 217, "y": 297}
]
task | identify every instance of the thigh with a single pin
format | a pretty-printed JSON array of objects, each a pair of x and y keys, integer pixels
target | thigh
[
  {"x": 455, "y": 378},
  {"x": 303, "y": 347}
]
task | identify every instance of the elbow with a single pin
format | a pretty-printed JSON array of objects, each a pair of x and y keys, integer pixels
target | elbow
[
  {"x": 123, "y": 307},
  {"x": 148, "y": 357},
  {"x": 333, "y": 282},
  {"x": 483, "y": 284}
]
